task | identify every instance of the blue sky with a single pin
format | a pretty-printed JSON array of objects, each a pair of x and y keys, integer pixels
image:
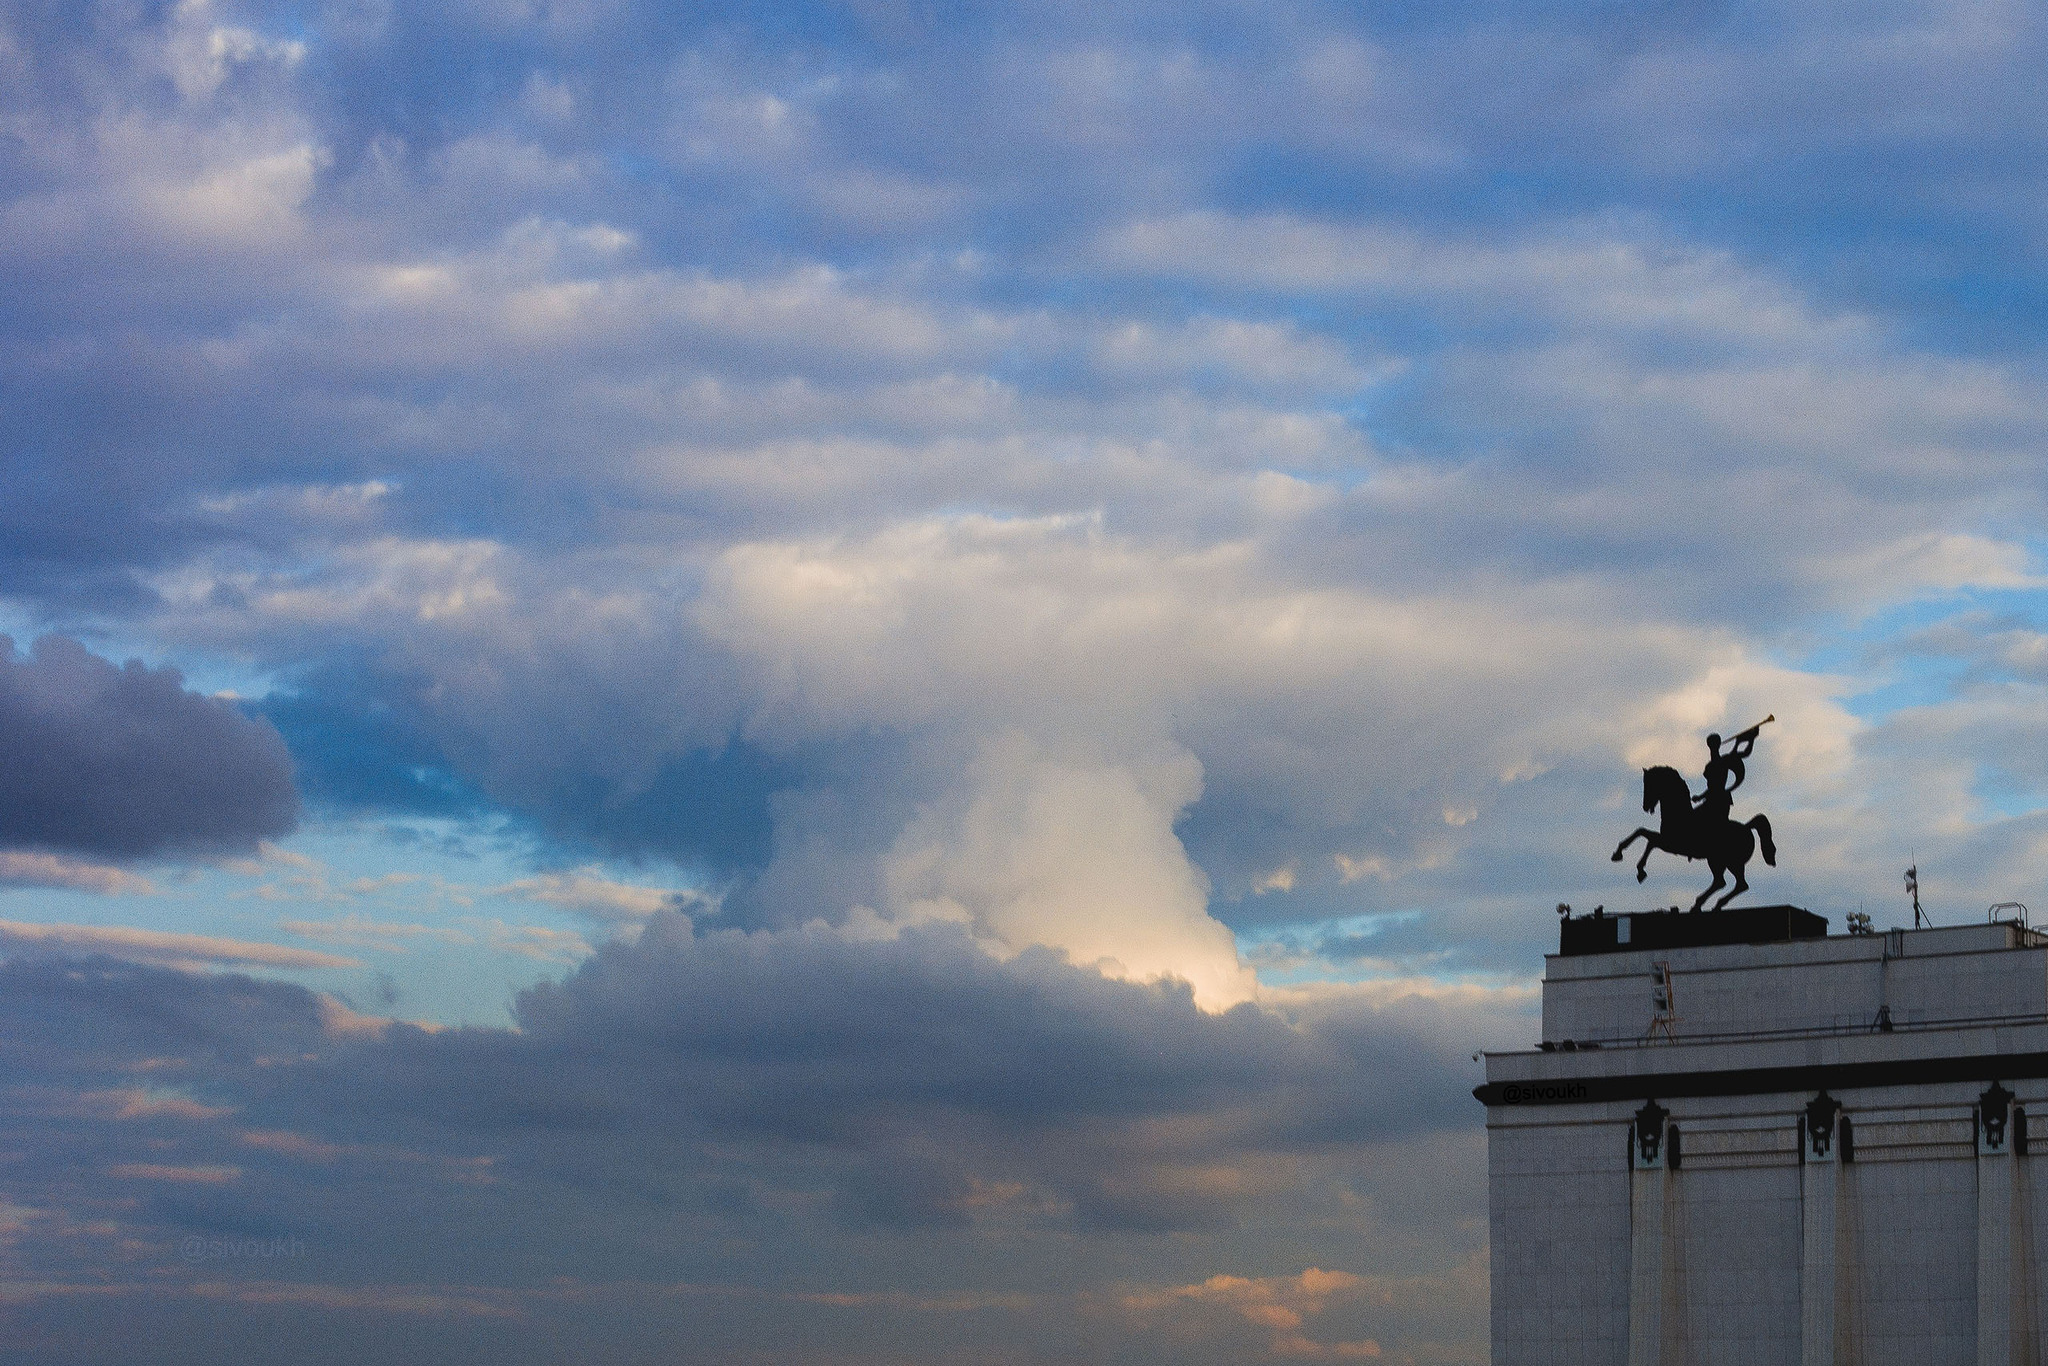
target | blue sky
[{"x": 907, "y": 681}]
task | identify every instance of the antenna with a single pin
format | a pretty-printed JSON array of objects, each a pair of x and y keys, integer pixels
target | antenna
[{"x": 1913, "y": 886}]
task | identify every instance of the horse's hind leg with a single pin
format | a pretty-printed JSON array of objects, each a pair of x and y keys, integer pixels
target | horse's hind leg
[
  {"x": 1720, "y": 877},
  {"x": 1741, "y": 886},
  {"x": 1739, "y": 851}
]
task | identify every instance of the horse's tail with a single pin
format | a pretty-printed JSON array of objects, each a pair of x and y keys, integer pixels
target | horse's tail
[{"x": 1762, "y": 825}]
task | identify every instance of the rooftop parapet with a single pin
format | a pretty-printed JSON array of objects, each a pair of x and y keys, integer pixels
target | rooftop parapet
[
  {"x": 1674, "y": 929},
  {"x": 1766, "y": 971}
]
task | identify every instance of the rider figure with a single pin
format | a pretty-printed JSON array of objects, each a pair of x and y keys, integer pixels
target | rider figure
[{"x": 1724, "y": 774}]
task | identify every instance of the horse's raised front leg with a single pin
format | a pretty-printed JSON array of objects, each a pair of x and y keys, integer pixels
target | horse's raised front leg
[
  {"x": 1649, "y": 839},
  {"x": 1720, "y": 877},
  {"x": 1741, "y": 886},
  {"x": 1640, "y": 834}
]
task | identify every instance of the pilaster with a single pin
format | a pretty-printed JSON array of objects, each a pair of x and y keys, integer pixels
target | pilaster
[
  {"x": 2002, "y": 1339},
  {"x": 1649, "y": 1174},
  {"x": 1822, "y": 1279}
]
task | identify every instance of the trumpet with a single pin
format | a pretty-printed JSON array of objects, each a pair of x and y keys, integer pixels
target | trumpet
[{"x": 1750, "y": 734}]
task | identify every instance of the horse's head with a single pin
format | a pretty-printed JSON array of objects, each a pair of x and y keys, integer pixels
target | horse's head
[{"x": 1662, "y": 784}]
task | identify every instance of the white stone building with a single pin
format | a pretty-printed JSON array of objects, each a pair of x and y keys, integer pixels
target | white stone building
[{"x": 1743, "y": 1141}]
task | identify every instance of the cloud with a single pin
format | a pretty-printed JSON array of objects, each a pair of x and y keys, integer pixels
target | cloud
[
  {"x": 541, "y": 943},
  {"x": 1596, "y": 278},
  {"x": 915, "y": 1079},
  {"x": 21, "y": 869},
  {"x": 1074, "y": 856},
  {"x": 385, "y": 936},
  {"x": 586, "y": 892},
  {"x": 159, "y": 947},
  {"x": 1279, "y": 1303},
  {"x": 127, "y": 763},
  {"x": 730, "y": 1118},
  {"x": 679, "y": 641},
  {"x": 1300, "y": 1314},
  {"x": 160, "y": 1171},
  {"x": 135, "y": 1103},
  {"x": 1260, "y": 356},
  {"x": 1011, "y": 501}
]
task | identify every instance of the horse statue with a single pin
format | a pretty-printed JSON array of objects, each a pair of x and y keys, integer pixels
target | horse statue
[{"x": 1723, "y": 842}]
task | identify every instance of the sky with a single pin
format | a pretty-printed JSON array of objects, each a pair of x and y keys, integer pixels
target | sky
[{"x": 881, "y": 682}]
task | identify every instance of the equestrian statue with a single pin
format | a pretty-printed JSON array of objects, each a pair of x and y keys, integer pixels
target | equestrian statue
[{"x": 1701, "y": 827}]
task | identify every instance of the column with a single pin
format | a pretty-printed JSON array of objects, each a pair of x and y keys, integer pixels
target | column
[
  {"x": 1646, "y": 1195},
  {"x": 1999, "y": 1284},
  {"x": 1820, "y": 1272},
  {"x": 2026, "y": 1269}
]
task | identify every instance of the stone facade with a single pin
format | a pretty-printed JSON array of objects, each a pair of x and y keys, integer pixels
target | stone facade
[{"x": 1804, "y": 1152}]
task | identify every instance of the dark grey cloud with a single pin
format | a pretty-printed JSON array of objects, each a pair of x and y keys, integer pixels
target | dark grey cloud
[
  {"x": 934, "y": 1070},
  {"x": 126, "y": 762},
  {"x": 756, "y": 1112},
  {"x": 905, "y": 1074}
]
